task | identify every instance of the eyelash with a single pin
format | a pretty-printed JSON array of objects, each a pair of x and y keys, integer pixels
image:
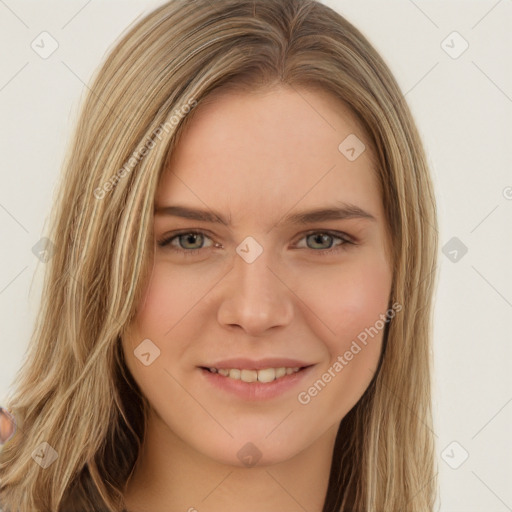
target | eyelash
[{"x": 321, "y": 252}]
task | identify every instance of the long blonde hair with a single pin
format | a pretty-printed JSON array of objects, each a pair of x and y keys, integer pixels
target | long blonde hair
[{"x": 74, "y": 391}]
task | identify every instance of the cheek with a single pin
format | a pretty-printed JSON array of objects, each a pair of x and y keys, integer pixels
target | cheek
[
  {"x": 163, "y": 317},
  {"x": 170, "y": 295},
  {"x": 351, "y": 303},
  {"x": 348, "y": 298}
]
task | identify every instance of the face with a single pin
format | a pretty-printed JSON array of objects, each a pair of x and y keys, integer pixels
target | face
[{"x": 272, "y": 254}]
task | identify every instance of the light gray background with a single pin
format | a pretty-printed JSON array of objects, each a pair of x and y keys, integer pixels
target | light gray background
[{"x": 463, "y": 108}]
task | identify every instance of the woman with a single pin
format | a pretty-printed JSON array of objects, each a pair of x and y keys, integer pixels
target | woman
[{"x": 281, "y": 362}]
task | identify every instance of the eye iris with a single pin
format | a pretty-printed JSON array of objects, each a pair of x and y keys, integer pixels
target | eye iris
[
  {"x": 322, "y": 237},
  {"x": 191, "y": 237}
]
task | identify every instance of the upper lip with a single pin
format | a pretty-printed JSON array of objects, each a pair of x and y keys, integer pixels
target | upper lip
[{"x": 260, "y": 364}]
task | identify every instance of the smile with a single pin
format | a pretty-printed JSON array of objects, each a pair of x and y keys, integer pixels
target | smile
[
  {"x": 265, "y": 375},
  {"x": 251, "y": 384}
]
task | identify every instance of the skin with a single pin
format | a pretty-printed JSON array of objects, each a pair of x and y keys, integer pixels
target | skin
[
  {"x": 255, "y": 158},
  {"x": 7, "y": 427}
]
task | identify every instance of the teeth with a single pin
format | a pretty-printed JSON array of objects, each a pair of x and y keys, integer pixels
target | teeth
[
  {"x": 280, "y": 372},
  {"x": 234, "y": 374},
  {"x": 266, "y": 375},
  {"x": 249, "y": 375}
]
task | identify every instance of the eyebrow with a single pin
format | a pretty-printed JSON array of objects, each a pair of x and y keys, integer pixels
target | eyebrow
[{"x": 344, "y": 211}]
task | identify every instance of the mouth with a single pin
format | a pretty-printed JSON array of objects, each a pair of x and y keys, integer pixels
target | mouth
[
  {"x": 254, "y": 381},
  {"x": 265, "y": 375}
]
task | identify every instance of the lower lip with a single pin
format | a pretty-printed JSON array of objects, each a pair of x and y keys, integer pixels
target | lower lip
[{"x": 254, "y": 391}]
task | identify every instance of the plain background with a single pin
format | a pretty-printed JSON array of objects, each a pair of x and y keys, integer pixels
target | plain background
[{"x": 463, "y": 108}]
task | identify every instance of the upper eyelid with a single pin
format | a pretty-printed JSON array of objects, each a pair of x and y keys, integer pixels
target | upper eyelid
[{"x": 335, "y": 234}]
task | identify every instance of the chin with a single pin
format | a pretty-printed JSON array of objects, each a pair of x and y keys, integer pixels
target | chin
[{"x": 247, "y": 453}]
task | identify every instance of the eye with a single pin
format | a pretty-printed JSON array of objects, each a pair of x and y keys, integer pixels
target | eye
[
  {"x": 322, "y": 241},
  {"x": 189, "y": 243},
  {"x": 186, "y": 243}
]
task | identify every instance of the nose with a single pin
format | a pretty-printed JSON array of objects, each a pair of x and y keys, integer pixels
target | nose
[{"x": 255, "y": 297}]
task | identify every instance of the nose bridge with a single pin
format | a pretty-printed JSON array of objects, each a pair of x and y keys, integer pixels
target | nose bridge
[
  {"x": 254, "y": 297},
  {"x": 255, "y": 279}
]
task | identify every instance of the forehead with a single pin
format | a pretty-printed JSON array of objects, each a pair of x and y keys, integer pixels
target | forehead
[{"x": 268, "y": 151}]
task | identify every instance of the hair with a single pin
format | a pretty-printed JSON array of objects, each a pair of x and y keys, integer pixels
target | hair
[{"x": 74, "y": 390}]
